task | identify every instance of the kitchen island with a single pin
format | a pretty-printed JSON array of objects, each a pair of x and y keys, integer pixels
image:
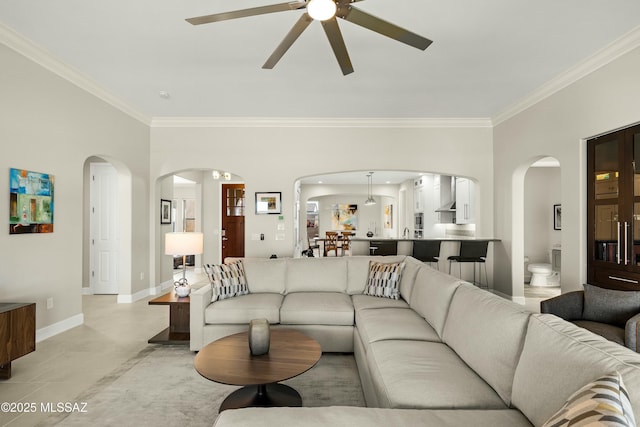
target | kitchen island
[{"x": 450, "y": 246}]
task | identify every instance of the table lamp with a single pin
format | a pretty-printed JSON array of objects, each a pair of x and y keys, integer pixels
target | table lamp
[{"x": 183, "y": 244}]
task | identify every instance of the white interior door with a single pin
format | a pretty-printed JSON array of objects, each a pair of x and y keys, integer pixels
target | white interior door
[{"x": 104, "y": 229}]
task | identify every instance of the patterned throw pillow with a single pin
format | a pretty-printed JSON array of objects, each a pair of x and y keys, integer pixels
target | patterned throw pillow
[
  {"x": 602, "y": 402},
  {"x": 227, "y": 280},
  {"x": 384, "y": 279}
]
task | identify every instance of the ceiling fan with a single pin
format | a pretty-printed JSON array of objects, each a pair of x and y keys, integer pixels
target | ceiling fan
[{"x": 325, "y": 11}]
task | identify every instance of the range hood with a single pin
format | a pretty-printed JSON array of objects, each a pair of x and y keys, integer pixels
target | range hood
[{"x": 447, "y": 207}]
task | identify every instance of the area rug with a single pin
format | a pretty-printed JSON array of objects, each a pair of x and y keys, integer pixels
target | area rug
[{"x": 160, "y": 387}]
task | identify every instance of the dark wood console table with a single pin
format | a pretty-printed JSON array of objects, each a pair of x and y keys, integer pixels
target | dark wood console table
[
  {"x": 178, "y": 330},
  {"x": 17, "y": 333}
]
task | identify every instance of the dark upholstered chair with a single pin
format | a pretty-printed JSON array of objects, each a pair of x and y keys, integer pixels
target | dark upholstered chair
[{"x": 613, "y": 314}]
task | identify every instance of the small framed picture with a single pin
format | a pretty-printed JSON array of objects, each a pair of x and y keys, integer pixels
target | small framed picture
[
  {"x": 557, "y": 217},
  {"x": 268, "y": 203},
  {"x": 165, "y": 211}
]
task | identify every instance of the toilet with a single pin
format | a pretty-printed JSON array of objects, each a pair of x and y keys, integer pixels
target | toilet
[
  {"x": 540, "y": 274},
  {"x": 543, "y": 274}
]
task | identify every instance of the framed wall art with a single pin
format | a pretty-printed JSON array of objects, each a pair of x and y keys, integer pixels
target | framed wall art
[
  {"x": 344, "y": 217},
  {"x": 269, "y": 203},
  {"x": 557, "y": 217},
  {"x": 165, "y": 211},
  {"x": 30, "y": 202}
]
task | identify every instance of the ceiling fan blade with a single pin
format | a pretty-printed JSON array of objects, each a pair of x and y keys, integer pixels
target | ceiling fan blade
[
  {"x": 280, "y": 7},
  {"x": 351, "y": 14},
  {"x": 288, "y": 40},
  {"x": 336, "y": 40}
]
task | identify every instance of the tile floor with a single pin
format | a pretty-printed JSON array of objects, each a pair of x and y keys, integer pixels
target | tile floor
[
  {"x": 65, "y": 365},
  {"x": 533, "y": 296}
]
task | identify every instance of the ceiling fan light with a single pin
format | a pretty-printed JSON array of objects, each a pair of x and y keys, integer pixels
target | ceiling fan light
[{"x": 321, "y": 10}]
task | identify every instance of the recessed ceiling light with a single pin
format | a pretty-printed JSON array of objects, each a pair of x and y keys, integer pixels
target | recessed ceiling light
[{"x": 319, "y": 182}]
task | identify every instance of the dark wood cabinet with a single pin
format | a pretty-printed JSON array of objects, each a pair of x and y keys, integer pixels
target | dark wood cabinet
[
  {"x": 17, "y": 333},
  {"x": 613, "y": 216}
]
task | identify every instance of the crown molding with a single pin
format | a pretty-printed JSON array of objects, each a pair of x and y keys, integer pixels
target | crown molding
[
  {"x": 217, "y": 122},
  {"x": 604, "y": 56},
  {"x": 40, "y": 56}
]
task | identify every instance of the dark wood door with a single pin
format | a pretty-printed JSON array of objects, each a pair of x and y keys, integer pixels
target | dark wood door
[
  {"x": 613, "y": 216},
  {"x": 233, "y": 209}
]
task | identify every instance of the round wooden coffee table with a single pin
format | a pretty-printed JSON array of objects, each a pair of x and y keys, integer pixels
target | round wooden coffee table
[{"x": 229, "y": 361}]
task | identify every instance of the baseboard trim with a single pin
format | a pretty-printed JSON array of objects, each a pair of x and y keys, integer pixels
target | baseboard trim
[
  {"x": 519, "y": 300},
  {"x": 131, "y": 298},
  {"x": 59, "y": 327}
]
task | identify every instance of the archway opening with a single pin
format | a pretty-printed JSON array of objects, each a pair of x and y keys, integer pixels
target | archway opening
[{"x": 537, "y": 231}]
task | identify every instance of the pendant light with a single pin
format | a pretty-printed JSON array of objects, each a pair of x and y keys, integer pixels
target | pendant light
[{"x": 370, "y": 200}]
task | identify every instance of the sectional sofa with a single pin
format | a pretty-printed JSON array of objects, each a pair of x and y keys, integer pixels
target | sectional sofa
[{"x": 445, "y": 353}]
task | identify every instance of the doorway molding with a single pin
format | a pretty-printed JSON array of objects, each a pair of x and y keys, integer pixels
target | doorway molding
[
  {"x": 124, "y": 208},
  {"x": 518, "y": 226}
]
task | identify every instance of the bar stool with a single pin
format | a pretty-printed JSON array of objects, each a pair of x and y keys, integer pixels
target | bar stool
[
  {"x": 427, "y": 251},
  {"x": 384, "y": 247},
  {"x": 475, "y": 252}
]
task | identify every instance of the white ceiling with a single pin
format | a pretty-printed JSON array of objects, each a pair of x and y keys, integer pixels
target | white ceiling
[{"x": 486, "y": 56}]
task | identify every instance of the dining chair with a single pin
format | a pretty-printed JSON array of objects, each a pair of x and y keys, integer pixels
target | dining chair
[
  {"x": 346, "y": 240},
  {"x": 313, "y": 245},
  {"x": 331, "y": 243}
]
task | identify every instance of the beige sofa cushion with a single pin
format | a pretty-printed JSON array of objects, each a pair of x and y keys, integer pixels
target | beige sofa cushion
[
  {"x": 393, "y": 323},
  {"x": 431, "y": 295},
  {"x": 244, "y": 308},
  {"x": 362, "y": 302},
  {"x": 317, "y": 308},
  {"x": 368, "y": 417},
  {"x": 422, "y": 374},
  {"x": 316, "y": 275},
  {"x": 578, "y": 357},
  {"x": 487, "y": 331},
  {"x": 358, "y": 271},
  {"x": 265, "y": 275}
]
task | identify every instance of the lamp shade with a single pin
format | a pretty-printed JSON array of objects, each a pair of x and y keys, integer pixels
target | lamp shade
[{"x": 183, "y": 243}]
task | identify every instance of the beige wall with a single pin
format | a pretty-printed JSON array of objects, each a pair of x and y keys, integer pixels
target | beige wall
[
  {"x": 50, "y": 125},
  {"x": 605, "y": 100},
  {"x": 273, "y": 158}
]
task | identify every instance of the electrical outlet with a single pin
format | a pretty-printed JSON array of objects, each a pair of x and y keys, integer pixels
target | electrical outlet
[
  {"x": 142, "y": 275},
  {"x": 49, "y": 303}
]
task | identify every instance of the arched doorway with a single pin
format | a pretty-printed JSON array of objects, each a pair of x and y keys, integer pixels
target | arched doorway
[
  {"x": 198, "y": 197},
  {"x": 536, "y": 232}
]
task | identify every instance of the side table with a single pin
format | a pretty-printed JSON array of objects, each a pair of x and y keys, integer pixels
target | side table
[{"x": 178, "y": 330}]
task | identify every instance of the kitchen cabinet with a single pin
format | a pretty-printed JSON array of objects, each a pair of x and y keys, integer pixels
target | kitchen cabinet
[
  {"x": 465, "y": 201},
  {"x": 613, "y": 210}
]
